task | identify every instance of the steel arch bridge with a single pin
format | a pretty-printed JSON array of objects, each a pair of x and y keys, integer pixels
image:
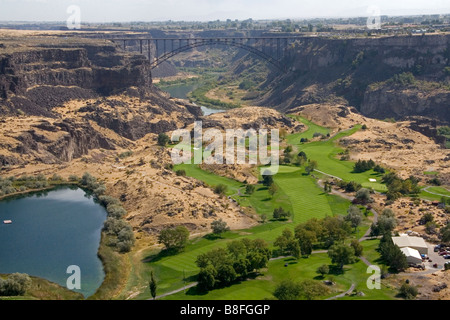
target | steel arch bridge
[{"x": 159, "y": 50}]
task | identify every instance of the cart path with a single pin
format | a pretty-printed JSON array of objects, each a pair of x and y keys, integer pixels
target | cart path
[
  {"x": 175, "y": 291},
  {"x": 436, "y": 194},
  {"x": 343, "y": 294}
]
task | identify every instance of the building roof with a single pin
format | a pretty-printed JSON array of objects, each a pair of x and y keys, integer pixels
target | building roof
[
  {"x": 410, "y": 252},
  {"x": 407, "y": 241}
]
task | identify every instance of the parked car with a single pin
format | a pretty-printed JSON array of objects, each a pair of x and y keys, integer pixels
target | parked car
[
  {"x": 447, "y": 256},
  {"x": 444, "y": 253}
]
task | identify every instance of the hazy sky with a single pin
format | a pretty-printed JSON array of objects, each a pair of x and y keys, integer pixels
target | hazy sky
[{"x": 205, "y": 10}]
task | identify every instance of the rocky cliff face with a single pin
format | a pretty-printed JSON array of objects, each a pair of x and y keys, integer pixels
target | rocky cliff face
[
  {"x": 385, "y": 102},
  {"x": 345, "y": 70},
  {"x": 35, "y": 79},
  {"x": 61, "y": 99}
]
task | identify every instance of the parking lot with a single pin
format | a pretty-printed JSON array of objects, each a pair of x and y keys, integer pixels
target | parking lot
[{"x": 435, "y": 258}]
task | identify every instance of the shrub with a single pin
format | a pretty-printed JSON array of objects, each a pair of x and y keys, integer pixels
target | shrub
[
  {"x": 220, "y": 189},
  {"x": 219, "y": 226},
  {"x": 126, "y": 154},
  {"x": 323, "y": 270},
  {"x": 363, "y": 166},
  {"x": 287, "y": 290},
  {"x": 116, "y": 211},
  {"x": 352, "y": 186},
  {"x": 15, "y": 285},
  {"x": 73, "y": 178},
  {"x": 163, "y": 139},
  {"x": 317, "y": 134},
  {"x": 281, "y": 214},
  {"x": 363, "y": 196},
  {"x": 408, "y": 291},
  {"x": 181, "y": 173}
]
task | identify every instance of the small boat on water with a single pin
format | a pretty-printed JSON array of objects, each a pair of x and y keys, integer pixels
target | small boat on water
[{"x": 7, "y": 222}]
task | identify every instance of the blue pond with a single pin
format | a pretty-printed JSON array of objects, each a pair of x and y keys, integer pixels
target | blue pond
[{"x": 51, "y": 231}]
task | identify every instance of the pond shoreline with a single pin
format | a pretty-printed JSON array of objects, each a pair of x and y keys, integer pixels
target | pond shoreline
[{"x": 104, "y": 254}]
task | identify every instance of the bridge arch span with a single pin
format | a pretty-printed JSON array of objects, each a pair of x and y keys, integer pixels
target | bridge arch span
[
  {"x": 259, "y": 47},
  {"x": 213, "y": 42}
]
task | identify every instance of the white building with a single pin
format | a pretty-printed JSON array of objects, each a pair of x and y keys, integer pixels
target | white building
[
  {"x": 417, "y": 243},
  {"x": 412, "y": 255}
]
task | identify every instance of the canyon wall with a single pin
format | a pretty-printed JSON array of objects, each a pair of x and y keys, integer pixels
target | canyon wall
[{"x": 361, "y": 72}]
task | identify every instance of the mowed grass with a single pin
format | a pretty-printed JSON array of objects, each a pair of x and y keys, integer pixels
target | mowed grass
[
  {"x": 263, "y": 285},
  {"x": 308, "y": 199},
  {"x": 261, "y": 201},
  {"x": 297, "y": 193},
  {"x": 308, "y": 134},
  {"x": 439, "y": 190},
  {"x": 438, "y": 193},
  {"x": 326, "y": 154}
]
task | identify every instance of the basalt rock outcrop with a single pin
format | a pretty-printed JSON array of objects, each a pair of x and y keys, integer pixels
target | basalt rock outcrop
[
  {"x": 359, "y": 72},
  {"x": 60, "y": 98},
  {"x": 36, "y": 78}
]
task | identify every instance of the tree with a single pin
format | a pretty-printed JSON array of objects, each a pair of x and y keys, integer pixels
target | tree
[
  {"x": 15, "y": 285},
  {"x": 267, "y": 180},
  {"x": 341, "y": 255},
  {"x": 287, "y": 290},
  {"x": 294, "y": 249},
  {"x": 354, "y": 216},
  {"x": 357, "y": 247},
  {"x": 323, "y": 270},
  {"x": 335, "y": 229},
  {"x": 392, "y": 254},
  {"x": 237, "y": 249},
  {"x": 363, "y": 196},
  {"x": 283, "y": 240},
  {"x": 174, "y": 238},
  {"x": 163, "y": 139},
  {"x": 207, "y": 278},
  {"x": 312, "y": 165},
  {"x": 306, "y": 238},
  {"x": 226, "y": 274},
  {"x": 363, "y": 166},
  {"x": 385, "y": 225},
  {"x": 281, "y": 214},
  {"x": 310, "y": 289},
  {"x": 273, "y": 189},
  {"x": 327, "y": 187},
  {"x": 445, "y": 233},
  {"x": 352, "y": 186},
  {"x": 250, "y": 189},
  {"x": 427, "y": 217},
  {"x": 263, "y": 218},
  {"x": 153, "y": 285},
  {"x": 219, "y": 226}
]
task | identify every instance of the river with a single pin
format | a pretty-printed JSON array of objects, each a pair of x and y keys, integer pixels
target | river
[
  {"x": 181, "y": 91},
  {"x": 51, "y": 231}
]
